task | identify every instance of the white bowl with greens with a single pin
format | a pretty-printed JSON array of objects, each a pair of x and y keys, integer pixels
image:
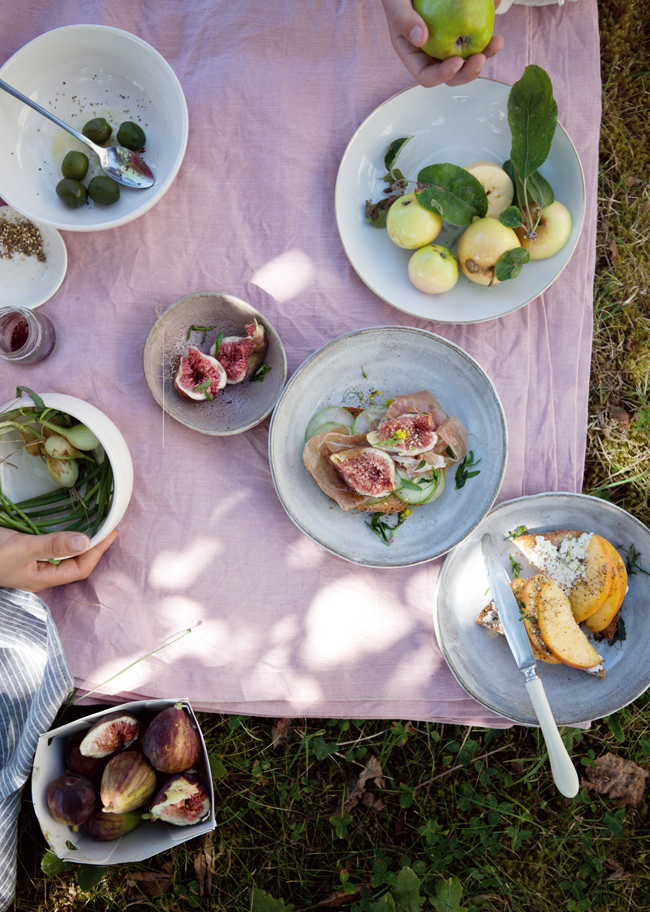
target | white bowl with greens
[{"x": 46, "y": 486}]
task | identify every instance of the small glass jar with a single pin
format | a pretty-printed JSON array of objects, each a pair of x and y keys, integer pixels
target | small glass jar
[{"x": 25, "y": 337}]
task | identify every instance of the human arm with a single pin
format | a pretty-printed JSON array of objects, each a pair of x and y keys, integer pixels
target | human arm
[
  {"x": 408, "y": 32},
  {"x": 24, "y": 559}
]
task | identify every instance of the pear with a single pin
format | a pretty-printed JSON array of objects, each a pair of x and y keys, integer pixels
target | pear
[{"x": 457, "y": 28}]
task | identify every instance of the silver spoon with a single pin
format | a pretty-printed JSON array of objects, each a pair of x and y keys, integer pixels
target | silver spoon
[{"x": 120, "y": 164}]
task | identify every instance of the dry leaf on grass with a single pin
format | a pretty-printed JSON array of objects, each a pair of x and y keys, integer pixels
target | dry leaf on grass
[
  {"x": 151, "y": 883},
  {"x": 619, "y": 414},
  {"x": 355, "y": 791},
  {"x": 279, "y": 731},
  {"x": 617, "y": 871},
  {"x": 204, "y": 864},
  {"x": 613, "y": 253},
  {"x": 337, "y": 898},
  {"x": 617, "y": 778},
  {"x": 372, "y": 770}
]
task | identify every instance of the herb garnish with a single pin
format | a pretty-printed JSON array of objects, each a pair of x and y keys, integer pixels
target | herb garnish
[
  {"x": 515, "y": 533},
  {"x": 260, "y": 373},
  {"x": 217, "y": 344},
  {"x": 462, "y": 473},
  {"x": 204, "y": 387},
  {"x": 382, "y": 529},
  {"x": 363, "y": 372},
  {"x": 204, "y": 329},
  {"x": 632, "y": 560},
  {"x": 516, "y": 568}
]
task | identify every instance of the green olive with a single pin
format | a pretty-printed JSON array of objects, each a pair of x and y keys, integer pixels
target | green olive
[
  {"x": 103, "y": 190},
  {"x": 75, "y": 165},
  {"x": 98, "y": 130},
  {"x": 71, "y": 192},
  {"x": 131, "y": 136}
]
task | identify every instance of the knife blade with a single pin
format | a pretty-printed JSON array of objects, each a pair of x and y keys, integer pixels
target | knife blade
[{"x": 564, "y": 773}]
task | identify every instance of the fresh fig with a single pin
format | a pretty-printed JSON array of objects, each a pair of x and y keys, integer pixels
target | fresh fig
[
  {"x": 171, "y": 743},
  {"x": 409, "y": 435},
  {"x": 366, "y": 470},
  {"x": 242, "y": 355},
  {"x": 106, "y": 827},
  {"x": 71, "y": 799},
  {"x": 75, "y": 762},
  {"x": 109, "y": 734},
  {"x": 199, "y": 377},
  {"x": 182, "y": 801},
  {"x": 127, "y": 782}
]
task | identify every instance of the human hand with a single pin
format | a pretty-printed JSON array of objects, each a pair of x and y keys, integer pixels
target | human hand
[
  {"x": 408, "y": 33},
  {"x": 24, "y": 558}
]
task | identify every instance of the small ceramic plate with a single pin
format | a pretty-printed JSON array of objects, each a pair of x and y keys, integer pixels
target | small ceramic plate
[
  {"x": 460, "y": 125},
  {"x": 238, "y": 407},
  {"x": 367, "y": 367},
  {"x": 24, "y": 281},
  {"x": 481, "y": 660}
]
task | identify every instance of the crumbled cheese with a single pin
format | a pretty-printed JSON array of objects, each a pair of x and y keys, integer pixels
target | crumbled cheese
[{"x": 564, "y": 565}]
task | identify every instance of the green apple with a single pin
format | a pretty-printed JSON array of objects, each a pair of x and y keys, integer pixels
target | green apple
[
  {"x": 457, "y": 28},
  {"x": 553, "y": 231},
  {"x": 433, "y": 269},
  {"x": 410, "y": 225},
  {"x": 480, "y": 247}
]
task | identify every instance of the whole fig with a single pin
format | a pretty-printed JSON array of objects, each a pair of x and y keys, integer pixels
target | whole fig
[
  {"x": 110, "y": 733},
  {"x": 75, "y": 762},
  {"x": 182, "y": 801},
  {"x": 127, "y": 783},
  {"x": 171, "y": 743},
  {"x": 71, "y": 799},
  {"x": 106, "y": 827}
]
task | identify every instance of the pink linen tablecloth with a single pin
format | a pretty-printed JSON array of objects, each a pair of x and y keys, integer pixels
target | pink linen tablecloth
[{"x": 275, "y": 90}]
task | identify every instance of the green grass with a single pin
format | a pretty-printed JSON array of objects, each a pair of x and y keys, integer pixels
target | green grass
[{"x": 475, "y": 804}]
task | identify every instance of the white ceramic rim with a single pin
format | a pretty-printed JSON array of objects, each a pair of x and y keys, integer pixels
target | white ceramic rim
[
  {"x": 113, "y": 443},
  {"x": 51, "y": 236},
  {"x": 155, "y": 197}
]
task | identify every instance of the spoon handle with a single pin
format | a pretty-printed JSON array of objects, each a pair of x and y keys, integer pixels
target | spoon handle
[
  {"x": 49, "y": 115},
  {"x": 563, "y": 770}
]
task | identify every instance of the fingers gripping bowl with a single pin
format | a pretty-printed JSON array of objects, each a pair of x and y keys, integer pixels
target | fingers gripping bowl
[{"x": 106, "y": 479}]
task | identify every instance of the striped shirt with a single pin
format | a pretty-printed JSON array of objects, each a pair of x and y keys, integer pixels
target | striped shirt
[{"x": 34, "y": 682}]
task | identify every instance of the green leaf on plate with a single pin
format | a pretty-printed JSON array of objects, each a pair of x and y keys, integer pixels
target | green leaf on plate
[
  {"x": 453, "y": 193},
  {"x": 540, "y": 190},
  {"x": 509, "y": 264},
  {"x": 532, "y": 116},
  {"x": 511, "y": 218},
  {"x": 393, "y": 151}
]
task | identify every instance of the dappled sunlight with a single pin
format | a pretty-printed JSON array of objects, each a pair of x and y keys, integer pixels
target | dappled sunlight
[
  {"x": 179, "y": 569},
  {"x": 285, "y": 276},
  {"x": 342, "y": 625},
  {"x": 304, "y": 554}
]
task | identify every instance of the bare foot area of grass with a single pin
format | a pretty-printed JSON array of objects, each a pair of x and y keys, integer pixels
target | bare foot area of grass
[{"x": 301, "y": 824}]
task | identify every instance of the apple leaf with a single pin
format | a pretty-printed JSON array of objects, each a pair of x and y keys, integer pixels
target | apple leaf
[
  {"x": 509, "y": 264},
  {"x": 540, "y": 190},
  {"x": 532, "y": 116},
  {"x": 511, "y": 218},
  {"x": 393, "y": 151},
  {"x": 453, "y": 193}
]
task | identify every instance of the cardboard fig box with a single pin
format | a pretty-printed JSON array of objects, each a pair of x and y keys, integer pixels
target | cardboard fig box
[{"x": 148, "y": 839}]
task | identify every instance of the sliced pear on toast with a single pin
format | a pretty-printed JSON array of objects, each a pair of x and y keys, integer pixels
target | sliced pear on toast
[
  {"x": 560, "y": 630},
  {"x": 602, "y": 618},
  {"x": 530, "y": 599}
]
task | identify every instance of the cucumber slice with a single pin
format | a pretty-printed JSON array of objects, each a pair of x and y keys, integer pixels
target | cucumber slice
[
  {"x": 330, "y": 426},
  {"x": 334, "y": 414},
  {"x": 368, "y": 419},
  {"x": 420, "y": 493}
]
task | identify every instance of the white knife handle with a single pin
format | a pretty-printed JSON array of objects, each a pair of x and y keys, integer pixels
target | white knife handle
[{"x": 564, "y": 773}]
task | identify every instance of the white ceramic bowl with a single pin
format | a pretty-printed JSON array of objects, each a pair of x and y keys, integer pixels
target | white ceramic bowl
[
  {"x": 80, "y": 72},
  {"x": 19, "y": 482}
]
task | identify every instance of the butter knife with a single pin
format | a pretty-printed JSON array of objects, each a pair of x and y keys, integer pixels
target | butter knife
[{"x": 563, "y": 770}]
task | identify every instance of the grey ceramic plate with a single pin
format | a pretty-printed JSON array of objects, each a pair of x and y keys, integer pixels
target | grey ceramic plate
[
  {"x": 239, "y": 406},
  {"x": 396, "y": 360},
  {"x": 481, "y": 661}
]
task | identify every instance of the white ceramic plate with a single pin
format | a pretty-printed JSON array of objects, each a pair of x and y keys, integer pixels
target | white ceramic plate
[
  {"x": 397, "y": 360},
  {"x": 80, "y": 72},
  {"x": 481, "y": 660},
  {"x": 24, "y": 281},
  {"x": 459, "y": 125},
  {"x": 238, "y": 406}
]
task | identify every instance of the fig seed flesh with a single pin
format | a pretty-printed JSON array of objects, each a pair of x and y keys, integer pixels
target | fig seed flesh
[
  {"x": 109, "y": 734},
  {"x": 182, "y": 801}
]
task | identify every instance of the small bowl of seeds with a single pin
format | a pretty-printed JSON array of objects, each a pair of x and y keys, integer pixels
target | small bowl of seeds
[{"x": 33, "y": 260}]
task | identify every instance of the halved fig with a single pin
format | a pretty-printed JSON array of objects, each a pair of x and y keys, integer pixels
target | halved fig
[
  {"x": 75, "y": 762},
  {"x": 199, "y": 377},
  {"x": 182, "y": 801},
  {"x": 171, "y": 743},
  {"x": 242, "y": 355},
  {"x": 71, "y": 799},
  {"x": 109, "y": 734},
  {"x": 366, "y": 470},
  {"x": 407, "y": 434}
]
